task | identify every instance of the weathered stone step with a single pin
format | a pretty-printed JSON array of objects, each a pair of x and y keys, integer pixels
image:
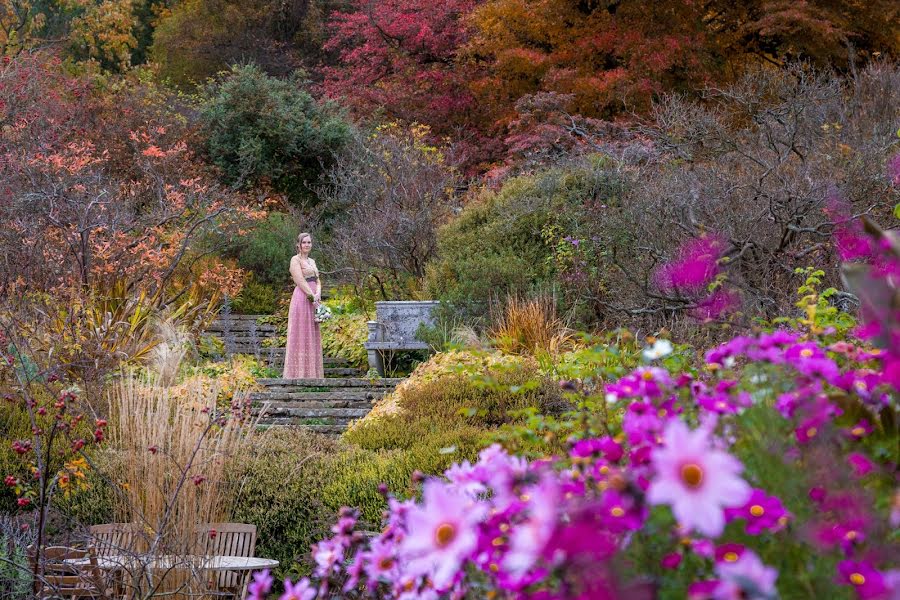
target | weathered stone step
[
  {"x": 330, "y": 429},
  {"x": 239, "y": 327},
  {"x": 331, "y": 395},
  {"x": 316, "y": 413},
  {"x": 346, "y": 382},
  {"x": 276, "y": 405}
]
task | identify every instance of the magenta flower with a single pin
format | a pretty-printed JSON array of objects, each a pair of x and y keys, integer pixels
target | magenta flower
[
  {"x": 671, "y": 561},
  {"x": 747, "y": 577},
  {"x": 860, "y": 464},
  {"x": 695, "y": 479},
  {"x": 380, "y": 563},
  {"x": 328, "y": 555},
  {"x": 530, "y": 537},
  {"x": 441, "y": 533},
  {"x": 729, "y": 552},
  {"x": 261, "y": 585},
  {"x": 865, "y": 579},
  {"x": 302, "y": 590},
  {"x": 695, "y": 267},
  {"x": 468, "y": 479},
  {"x": 762, "y": 513}
]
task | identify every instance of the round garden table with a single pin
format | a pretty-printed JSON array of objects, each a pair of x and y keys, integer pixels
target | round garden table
[{"x": 205, "y": 563}]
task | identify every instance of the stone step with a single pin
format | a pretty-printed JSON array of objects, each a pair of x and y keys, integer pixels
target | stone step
[
  {"x": 239, "y": 327},
  {"x": 345, "y": 382},
  {"x": 334, "y": 395},
  {"x": 302, "y": 412},
  {"x": 290, "y": 422},
  {"x": 277, "y": 405}
]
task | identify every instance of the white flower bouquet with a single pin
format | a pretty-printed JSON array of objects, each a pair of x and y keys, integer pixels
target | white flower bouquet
[{"x": 323, "y": 313}]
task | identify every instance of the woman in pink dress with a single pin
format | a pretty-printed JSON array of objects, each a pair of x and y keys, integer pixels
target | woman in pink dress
[{"x": 303, "y": 354}]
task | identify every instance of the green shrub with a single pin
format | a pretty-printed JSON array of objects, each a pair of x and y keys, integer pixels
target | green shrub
[
  {"x": 438, "y": 408},
  {"x": 263, "y": 129},
  {"x": 266, "y": 252},
  {"x": 278, "y": 487},
  {"x": 256, "y": 299},
  {"x": 343, "y": 336},
  {"x": 496, "y": 246}
]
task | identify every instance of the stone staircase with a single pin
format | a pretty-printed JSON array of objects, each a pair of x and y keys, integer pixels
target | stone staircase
[{"x": 324, "y": 405}]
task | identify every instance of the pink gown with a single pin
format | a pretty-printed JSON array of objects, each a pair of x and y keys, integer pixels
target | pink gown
[{"x": 303, "y": 354}]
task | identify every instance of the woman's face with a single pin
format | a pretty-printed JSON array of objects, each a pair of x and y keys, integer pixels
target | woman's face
[{"x": 305, "y": 244}]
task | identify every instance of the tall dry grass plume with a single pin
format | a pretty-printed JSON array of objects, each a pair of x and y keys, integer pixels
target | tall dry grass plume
[
  {"x": 167, "y": 355},
  {"x": 530, "y": 327},
  {"x": 174, "y": 456}
]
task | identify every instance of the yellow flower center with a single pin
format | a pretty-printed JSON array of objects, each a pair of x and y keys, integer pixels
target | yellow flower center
[
  {"x": 850, "y": 535},
  {"x": 604, "y": 469},
  {"x": 806, "y": 353},
  {"x": 647, "y": 376},
  {"x": 857, "y": 579},
  {"x": 497, "y": 541},
  {"x": 757, "y": 511},
  {"x": 444, "y": 534},
  {"x": 385, "y": 563},
  {"x": 692, "y": 475},
  {"x": 616, "y": 511},
  {"x": 731, "y": 557},
  {"x": 858, "y": 431},
  {"x": 494, "y": 567},
  {"x": 811, "y": 432}
]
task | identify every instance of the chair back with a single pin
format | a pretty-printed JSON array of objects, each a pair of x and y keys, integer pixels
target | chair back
[
  {"x": 66, "y": 580},
  {"x": 228, "y": 539},
  {"x": 117, "y": 538}
]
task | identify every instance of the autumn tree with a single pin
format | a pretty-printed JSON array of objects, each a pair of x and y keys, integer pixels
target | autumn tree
[
  {"x": 88, "y": 206},
  {"x": 402, "y": 59},
  {"x": 195, "y": 39},
  {"x": 385, "y": 198}
]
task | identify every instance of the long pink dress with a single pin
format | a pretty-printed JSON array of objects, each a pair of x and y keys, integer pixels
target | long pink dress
[{"x": 303, "y": 354}]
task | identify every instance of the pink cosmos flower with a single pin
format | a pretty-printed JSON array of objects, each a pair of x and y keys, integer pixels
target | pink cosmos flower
[
  {"x": 468, "y": 479},
  {"x": 747, "y": 577},
  {"x": 302, "y": 590},
  {"x": 695, "y": 479},
  {"x": 380, "y": 562},
  {"x": 762, "y": 513},
  {"x": 441, "y": 533},
  {"x": 529, "y": 538},
  {"x": 260, "y": 586},
  {"x": 328, "y": 555},
  {"x": 864, "y": 577},
  {"x": 860, "y": 464}
]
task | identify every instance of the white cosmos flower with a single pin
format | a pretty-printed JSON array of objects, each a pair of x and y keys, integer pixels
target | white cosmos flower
[{"x": 659, "y": 349}]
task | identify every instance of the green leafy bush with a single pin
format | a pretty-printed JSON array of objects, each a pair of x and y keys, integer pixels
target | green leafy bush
[
  {"x": 266, "y": 252},
  {"x": 263, "y": 129},
  {"x": 343, "y": 336},
  {"x": 256, "y": 299},
  {"x": 441, "y": 405},
  {"x": 498, "y": 245}
]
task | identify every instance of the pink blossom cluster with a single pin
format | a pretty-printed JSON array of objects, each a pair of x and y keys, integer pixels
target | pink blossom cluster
[{"x": 690, "y": 274}]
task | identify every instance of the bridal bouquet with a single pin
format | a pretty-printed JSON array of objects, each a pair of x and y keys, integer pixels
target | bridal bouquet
[{"x": 323, "y": 313}]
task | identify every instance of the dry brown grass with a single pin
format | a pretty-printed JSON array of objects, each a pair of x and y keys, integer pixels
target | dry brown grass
[
  {"x": 530, "y": 327},
  {"x": 174, "y": 455}
]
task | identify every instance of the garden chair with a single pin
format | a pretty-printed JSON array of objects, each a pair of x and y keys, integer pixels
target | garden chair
[
  {"x": 117, "y": 538},
  {"x": 65, "y": 580},
  {"x": 228, "y": 539}
]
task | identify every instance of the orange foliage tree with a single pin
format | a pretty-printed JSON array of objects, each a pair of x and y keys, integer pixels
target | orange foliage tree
[{"x": 102, "y": 198}]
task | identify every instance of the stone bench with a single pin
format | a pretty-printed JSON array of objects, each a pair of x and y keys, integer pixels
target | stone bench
[{"x": 394, "y": 329}]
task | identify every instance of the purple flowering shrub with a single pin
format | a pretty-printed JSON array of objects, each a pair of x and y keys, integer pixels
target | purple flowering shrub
[{"x": 767, "y": 469}]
